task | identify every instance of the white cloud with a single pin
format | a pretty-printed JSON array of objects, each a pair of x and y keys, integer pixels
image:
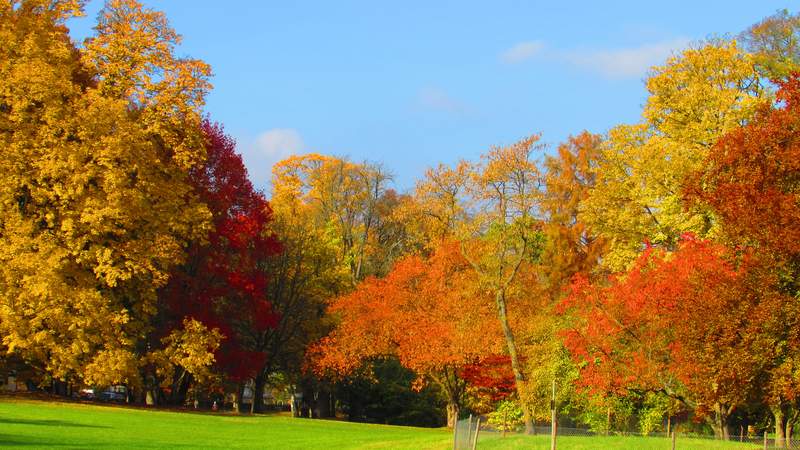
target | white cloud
[
  {"x": 521, "y": 52},
  {"x": 437, "y": 99},
  {"x": 611, "y": 63},
  {"x": 279, "y": 143},
  {"x": 626, "y": 62},
  {"x": 269, "y": 148}
]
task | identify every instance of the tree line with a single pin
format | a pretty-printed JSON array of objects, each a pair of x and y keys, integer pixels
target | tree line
[{"x": 650, "y": 271}]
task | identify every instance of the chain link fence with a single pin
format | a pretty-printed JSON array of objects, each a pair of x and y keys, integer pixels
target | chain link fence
[{"x": 469, "y": 433}]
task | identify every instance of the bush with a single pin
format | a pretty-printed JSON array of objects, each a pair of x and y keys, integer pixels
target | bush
[{"x": 507, "y": 417}]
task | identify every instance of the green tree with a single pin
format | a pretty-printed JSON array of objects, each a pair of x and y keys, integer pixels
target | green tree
[{"x": 775, "y": 44}]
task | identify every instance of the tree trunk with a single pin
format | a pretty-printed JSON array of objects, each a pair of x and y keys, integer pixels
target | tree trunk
[
  {"x": 180, "y": 386},
  {"x": 139, "y": 395},
  {"x": 516, "y": 366},
  {"x": 720, "y": 422},
  {"x": 150, "y": 398},
  {"x": 239, "y": 403},
  {"x": 780, "y": 424},
  {"x": 257, "y": 406},
  {"x": 791, "y": 418},
  {"x": 452, "y": 413}
]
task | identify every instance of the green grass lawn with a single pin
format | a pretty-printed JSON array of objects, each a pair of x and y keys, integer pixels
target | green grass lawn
[{"x": 38, "y": 424}]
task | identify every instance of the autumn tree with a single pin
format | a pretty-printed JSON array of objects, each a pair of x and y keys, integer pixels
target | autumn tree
[
  {"x": 694, "y": 99},
  {"x": 775, "y": 44},
  {"x": 652, "y": 330},
  {"x": 750, "y": 180},
  {"x": 571, "y": 246},
  {"x": 346, "y": 198},
  {"x": 429, "y": 312},
  {"x": 492, "y": 210},
  {"x": 336, "y": 223},
  {"x": 223, "y": 283},
  {"x": 96, "y": 208}
]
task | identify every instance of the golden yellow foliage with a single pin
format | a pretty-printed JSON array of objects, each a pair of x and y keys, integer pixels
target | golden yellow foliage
[
  {"x": 190, "y": 350},
  {"x": 695, "y": 98},
  {"x": 94, "y": 207}
]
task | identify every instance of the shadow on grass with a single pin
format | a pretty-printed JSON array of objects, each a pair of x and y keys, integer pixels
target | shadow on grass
[
  {"x": 10, "y": 440},
  {"x": 47, "y": 423}
]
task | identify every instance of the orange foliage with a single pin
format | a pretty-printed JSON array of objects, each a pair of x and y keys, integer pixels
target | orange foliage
[
  {"x": 752, "y": 177},
  {"x": 430, "y": 313}
]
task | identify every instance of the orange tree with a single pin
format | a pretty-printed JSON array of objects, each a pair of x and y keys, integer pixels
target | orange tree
[{"x": 428, "y": 312}]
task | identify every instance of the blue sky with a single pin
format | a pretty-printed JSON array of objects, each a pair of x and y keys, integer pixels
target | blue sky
[{"x": 414, "y": 83}]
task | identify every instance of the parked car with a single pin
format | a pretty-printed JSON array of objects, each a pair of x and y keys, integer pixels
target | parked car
[
  {"x": 114, "y": 394},
  {"x": 86, "y": 394}
]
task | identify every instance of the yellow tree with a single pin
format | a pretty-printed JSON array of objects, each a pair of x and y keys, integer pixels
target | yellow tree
[
  {"x": 94, "y": 207},
  {"x": 695, "y": 98},
  {"x": 335, "y": 220},
  {"x": 342, "y": 197}
]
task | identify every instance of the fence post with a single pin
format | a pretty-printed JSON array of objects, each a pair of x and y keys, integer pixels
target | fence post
[
  {"x": 553, "y": 421},
  {"x": 477, "y": 431},
  {"x": 455, "y": 434},
  {"x": 469, "y": 430},
  {"x": 674, "y": 438},
  {"x": 765, "y": 440}
]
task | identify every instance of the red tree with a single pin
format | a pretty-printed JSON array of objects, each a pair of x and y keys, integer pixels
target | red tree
[
  {"x": 751, "y": 177},
  {"x": 697, "y": 325},
  {"x": 222, "y": 283}
]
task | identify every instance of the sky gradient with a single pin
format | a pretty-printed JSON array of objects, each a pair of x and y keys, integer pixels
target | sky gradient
[{"x": 414, "y": 83}]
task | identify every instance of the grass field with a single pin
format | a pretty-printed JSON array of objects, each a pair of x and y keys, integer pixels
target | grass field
[{"x": 38, "y": 424}]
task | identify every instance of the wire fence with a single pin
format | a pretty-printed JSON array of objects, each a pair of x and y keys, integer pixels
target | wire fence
[
  {"x": 466, "y": 433},
  {"x": 470, "y": 433}
]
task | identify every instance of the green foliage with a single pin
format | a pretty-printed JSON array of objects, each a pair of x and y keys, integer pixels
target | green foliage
[
  {"x": 387, "y": 397},
  {"x": 775, "y": 44},
  {"x": 507, "y": 417},
  {"x": 655, "y": 408}
]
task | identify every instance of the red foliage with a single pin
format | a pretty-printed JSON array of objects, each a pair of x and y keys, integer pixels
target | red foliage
[
  {"x": 492, "y": 376},
  {"x": 222, "y": 283},
  {"x": 692, "y": 324},
  {"x": 752, "y": 177}
]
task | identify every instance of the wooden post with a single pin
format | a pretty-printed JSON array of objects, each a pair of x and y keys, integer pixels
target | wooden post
[
  {"x": 505, "y": 424},
  {"x": 477, "y": 431},
  {"x": 469, "y": 430},
  {"x": 455, "y": 434},
  {"x": 553, "y": 420},
  {"x": 765, "y": 440},
  {"x": 669, "y": 425},
  {"x": 674, "y": 438}
]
